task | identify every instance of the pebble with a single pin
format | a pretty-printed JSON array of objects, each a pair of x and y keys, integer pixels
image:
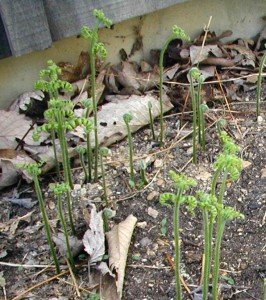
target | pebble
[
  {"x": 158, "y": 163},
  {"x": 153, "y": 212},
  {"x": 144, "y": 242},
  {"x": 263, "y": 173},
  {"x": 160, "y": 182},
  {"x": 190, "y": 151},
  {"x": 152, "y": 195},
  {"x": 260, "y": 120},
  {"x": 142, "y": 225}
]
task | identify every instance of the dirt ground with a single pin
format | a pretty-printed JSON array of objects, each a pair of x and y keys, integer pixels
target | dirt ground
[{"x": 149, "y": 274}]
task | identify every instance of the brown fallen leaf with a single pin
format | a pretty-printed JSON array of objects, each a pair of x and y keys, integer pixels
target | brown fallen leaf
[
  {"x": 111, "y": 115},
  {"x": 12, "y": 225},
  {"x": 93, "y": 238},
  {"x": 118, "y": 243},
  {"x": 76, "y": 245},
  {"x": 9, "y": 161},
  {"x": 14, "y": 125}
]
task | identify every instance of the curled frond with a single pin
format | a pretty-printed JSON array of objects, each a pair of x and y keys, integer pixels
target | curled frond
[
  {"x": 103, "y": 151},
  {"x": 100, "y": 50},
  {"x": 81, "y": 149},
  {"x": 34, "y": 169},
  {"x": 195, "y": 73},
  {"x": 191, "y": 202},
  {"x": 167, "y": 197},
  {"x": 99, "y": 14},
  {"x": 60, "y": 189},
  {"x": 182, "y": 181},
  {"x": 180, "y": 33},
  {"x": 229, "y": 213},
  {"x": 127, "y": 117},
  {"x": 86, "y": 32}
]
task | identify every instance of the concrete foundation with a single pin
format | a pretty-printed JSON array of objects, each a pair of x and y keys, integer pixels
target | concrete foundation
[{"x": 243, "y": 17}]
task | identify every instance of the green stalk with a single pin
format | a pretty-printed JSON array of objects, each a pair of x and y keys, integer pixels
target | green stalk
[
  {"x": 143, "y": 176},
  {"x": 262, "y": 62},
  {"x": 103, "y": 152},
  {"x": 63, "y": 143},
  {"x": 55, "y": 153},
  {"x": 177, "y": 245},
  {"x": 81, "y": 152},
  {"x": 89, "y": 156},
  {"x": 215, "y": 180},
  {"x": 132, "y": 177},
  {"x": 264, "y": 289},
  {"x": 217, "y": 254},
  {"x": 46, "y": 222},
  {"x": 177, "y": 32},
  {"x": 127, "y": 119},
  {"x": 69, "y": 209},
  {"x": 161, "y": 87},
  {"x": 94, "y": 101},
  {"x": 64, "y": 225},
  {"x": 151, "y": 121},
  {"x": 207, "y": 251},
  {"x": 198, "y": 101},
  {"x": 203, "y": 108},
  {"x": 223, "y": 187},
  {"x": 194, "y": 108}
]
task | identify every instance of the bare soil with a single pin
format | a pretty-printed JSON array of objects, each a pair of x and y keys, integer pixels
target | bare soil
[{"x": 149, "y": 274}]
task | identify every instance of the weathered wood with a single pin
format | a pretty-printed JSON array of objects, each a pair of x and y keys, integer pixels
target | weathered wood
[
  {"x": 26, "y": 25},
  {"x": 33, "y": 24}
]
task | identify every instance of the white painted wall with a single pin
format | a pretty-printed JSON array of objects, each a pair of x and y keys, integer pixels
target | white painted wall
[{"x": 243, "y": 17}]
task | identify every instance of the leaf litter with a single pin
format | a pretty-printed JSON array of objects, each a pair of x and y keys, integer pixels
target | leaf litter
[{"x": 128, "y": 85}]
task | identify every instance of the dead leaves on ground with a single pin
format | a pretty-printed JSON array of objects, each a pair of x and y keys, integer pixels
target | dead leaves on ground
[{"x": 110, "y": 278}]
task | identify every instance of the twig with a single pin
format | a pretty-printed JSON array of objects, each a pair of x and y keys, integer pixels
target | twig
[
  {"x": 226, "y": 101},
  {"x": 148, "y": 267},
  {"x": 39, "y": 284},
  {"x": 169, "y": 259},
  {"x": 27, "y": 266},
  {"x": 73, "y": 278},
  {"x": 80, "y": 288},
  {"x": 206, "y": 29}
]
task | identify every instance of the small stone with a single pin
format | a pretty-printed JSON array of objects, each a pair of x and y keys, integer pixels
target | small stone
[
  {"x": 77, "y": 186},
  {"x": 260, "y": 120},
  {"x": 263, "y": 173},
  {"x": 160, "y": 182},
  {"x": 203, "y": 175},
  {"x": 83, "y": 192},
  {"x": 152, "y": 195},
  {"x": 144, "y": 242},
  {"x": 153, "y": 212},
  {"x": 246, "y": 164},
  {"x": 190, "y": 151},
  {"x": 142, "y": 225},
  {"x": 158, "y": 163},
  {"x": 51, "y": 205}
]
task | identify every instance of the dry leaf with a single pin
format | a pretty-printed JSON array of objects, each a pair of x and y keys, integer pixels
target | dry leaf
[
  {"x": 111, "y": 116},
  {"x": 93, "y": 238},
  {"x": 76, "y": 245},
  {"x": 118, "y": 243},
  {"x": 12, "y": 126},
  {"x": 199, "y": 54},
  {"x": 9, "y": 159},
  {"x": 105, "y": 280},
  {"x": 12, "y": 224},
  {"x": 23, "y": 102}
]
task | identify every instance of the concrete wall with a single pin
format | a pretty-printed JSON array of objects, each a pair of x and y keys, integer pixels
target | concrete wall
[{"x": 243, "y": 17}]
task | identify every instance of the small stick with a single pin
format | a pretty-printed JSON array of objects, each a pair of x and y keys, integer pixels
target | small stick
[
  {"x": 40, "y": 284},
  {"x": 169, "y": 259},
  {"x": 73, "y": 278}
]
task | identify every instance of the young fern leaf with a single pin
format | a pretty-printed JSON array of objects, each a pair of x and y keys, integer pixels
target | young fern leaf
[{"x": 167, "y": 197}]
